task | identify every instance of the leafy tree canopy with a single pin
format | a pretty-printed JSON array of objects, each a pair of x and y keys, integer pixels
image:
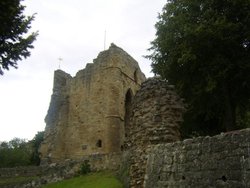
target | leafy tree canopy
[
  {"x": 36, "y": 143},
  {"x": 15, "y": 153},
  {"x": 203, "y": 48},
  {"x": 20, "y": 152},
  {"x": 15, "y": 41}
]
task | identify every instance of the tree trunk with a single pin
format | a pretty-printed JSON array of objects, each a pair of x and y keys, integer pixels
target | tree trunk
[{"x": 229, "y": 114}]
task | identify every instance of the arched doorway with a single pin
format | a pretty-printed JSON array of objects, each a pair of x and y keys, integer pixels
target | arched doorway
[
  {"x": 128, "y": 110},
  {"x": 136, "y": 76}
]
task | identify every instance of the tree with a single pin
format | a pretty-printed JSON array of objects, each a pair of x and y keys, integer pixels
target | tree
[
  {"x": 203, "y": 48},
  {"x": 36, "y": 143},
  {"x": 19, "y": 152},
  {"x": 16, "y": 152},
  {"x": 15, "y": 41}
]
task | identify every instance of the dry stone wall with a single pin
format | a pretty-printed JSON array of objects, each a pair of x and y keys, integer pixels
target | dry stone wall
[
  {"x": 155, "y": 117},
  {"x": 41, "y": 174},
  {"x": 87, "y": 112},
  {"x": 21, "y": 171},
  {"x": 219, "y": 161},
  {"x": 54, "y": 172}
]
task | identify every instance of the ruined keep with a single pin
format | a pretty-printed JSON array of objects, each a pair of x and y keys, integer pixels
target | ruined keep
[{"x": 88, "y": 113}]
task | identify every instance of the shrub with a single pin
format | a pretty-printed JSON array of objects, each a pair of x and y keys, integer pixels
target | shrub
[{"x": 85, "y": 167}]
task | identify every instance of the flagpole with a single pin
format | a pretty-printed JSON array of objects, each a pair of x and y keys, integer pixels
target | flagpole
[{"x": 105, "y": 39}]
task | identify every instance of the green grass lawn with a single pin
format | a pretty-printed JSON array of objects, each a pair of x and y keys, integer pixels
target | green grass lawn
[{"x": 92, "y": 180}]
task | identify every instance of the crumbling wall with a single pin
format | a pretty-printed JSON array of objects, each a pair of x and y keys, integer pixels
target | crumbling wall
[
  {"x": 156, "y": 115},
  {"x": 54, "y": 172},
  {"x": 218, "y": 161},
  {"x": 86, "y": 113}
]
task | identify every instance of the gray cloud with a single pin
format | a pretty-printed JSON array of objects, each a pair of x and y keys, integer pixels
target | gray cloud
[{"x": 74, "y": 31}]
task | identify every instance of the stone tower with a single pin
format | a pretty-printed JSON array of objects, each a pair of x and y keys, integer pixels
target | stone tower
[
  {"x": 88, "y": 113},
  {"x": 155, "y": 119}
]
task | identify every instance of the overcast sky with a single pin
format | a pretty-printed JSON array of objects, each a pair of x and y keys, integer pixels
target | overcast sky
[{"x": 74, "y": 31}]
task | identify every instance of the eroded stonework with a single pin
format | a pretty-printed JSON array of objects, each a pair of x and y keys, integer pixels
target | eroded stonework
[
  {"x": 87, "y": 112},
  {"x": 221, "y": 161},
  {"x": 155, "y": 119}
]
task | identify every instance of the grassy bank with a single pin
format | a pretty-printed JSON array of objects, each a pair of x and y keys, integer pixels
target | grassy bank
[{"x": 92, "y": 180}]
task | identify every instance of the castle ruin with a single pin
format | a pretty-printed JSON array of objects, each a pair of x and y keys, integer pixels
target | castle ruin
[
  {"x": 88, "y": 113},
  {"x": 112, "y": 116}
]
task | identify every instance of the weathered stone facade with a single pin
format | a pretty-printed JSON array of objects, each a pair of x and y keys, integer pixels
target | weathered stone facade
[
  {"x": 219, "y": 161},
  {"x": 155, "y": 117},
  {"x": 87, "y": 112}
]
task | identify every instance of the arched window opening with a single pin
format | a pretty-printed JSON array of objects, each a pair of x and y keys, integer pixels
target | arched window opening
[
  {"x": 136, "y": 76},
  {"x": 99, "y": 144}
]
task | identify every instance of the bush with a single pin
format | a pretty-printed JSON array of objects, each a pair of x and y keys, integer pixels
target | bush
[{"x": 85, "y": 167}]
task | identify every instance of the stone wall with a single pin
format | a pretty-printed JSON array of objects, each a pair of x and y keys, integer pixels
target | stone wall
[
  {"x": 87, "y": 112},
  {"x": 41, "y": 174},
  {"x": 58, "y": 171},
  {"x": 21, "y": 171},
  {"x": 155, "y": 117},
  {"x": 100, "y": 162},
  {"x": 219, "y": 161}
]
